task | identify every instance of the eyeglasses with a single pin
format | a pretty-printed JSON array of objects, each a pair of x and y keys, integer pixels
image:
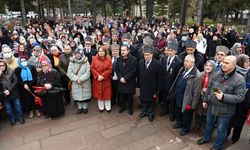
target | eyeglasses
[{"x": 2, "y": 65}]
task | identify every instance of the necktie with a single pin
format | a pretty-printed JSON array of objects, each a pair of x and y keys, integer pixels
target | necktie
[
  {"x": 168, "y": 64},
  {"x": 113, "y": 66},
  {"x": 147, "y": 64}
]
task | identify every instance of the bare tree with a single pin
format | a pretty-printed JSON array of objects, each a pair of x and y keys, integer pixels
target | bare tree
[
  {"x": 94, "y": 12},
  {"x": 183, "y": 12},
  {"x": 199, "y": 12},
  {"x": 23, "y": 13},
  {"x": 70, "y": 11}
]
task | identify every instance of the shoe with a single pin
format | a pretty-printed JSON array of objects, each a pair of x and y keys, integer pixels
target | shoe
[
  {"x": 201, "y": 141},
  {"x": 85, "y": 111},
  {"x": 108, "y": 111},
  {"x": 31, "y": 115},
  {"x": 130, "y": 113},
  {"x": 172, "y": 117},
  {"x": 176, "y": 126},
  {"x": 213, "y": 148},
  {"x": 122, "y": 110},
  {"x": 22, "y": 121},
  {"x": 101, "y": 111},
  {"x": 163, "y": 113},
  {"x": 182, "y": 133},
  {"x": 142, "y": 115},
  {"x": 38, "y": 114},
  {"x": 79, "y": 111},
  {"x": 13, "y": 123},
  {"x": 151, "y": 118}
]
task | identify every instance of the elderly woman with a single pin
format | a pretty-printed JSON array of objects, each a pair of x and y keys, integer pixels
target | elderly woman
[
  {"x": 27, "y": 77},
  {"x": 52, "y": 99},
  {"x": 238, "y": 120},
  {"x": 200, "y": 113},
  {"x": 236, "y": 49},
  {"x": 54, "y": 57},
  {"x": 9, "y": 93},
  {"x": 79, "y": 74},
  {"x": 101, "y": 69}
]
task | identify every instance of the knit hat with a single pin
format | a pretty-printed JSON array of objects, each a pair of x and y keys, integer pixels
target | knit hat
[
  {"x": 79, "y": 50},
  {"x": 222, "y": 48},
  {"x": 148, "y": 41},
  {"x": 38, "y": 48},
  {"x": 190, "y": 44}
]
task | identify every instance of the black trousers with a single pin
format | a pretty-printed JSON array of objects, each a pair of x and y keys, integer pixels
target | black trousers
[
  {"x": 149, "y": 107},
  {"x": 184, "y": 119},
  {"x": 126, "y": 101},
  {"x": 65, "y": 82},
  {"x": 115, "y": 95},
  {"x": 236, "y": 132}
]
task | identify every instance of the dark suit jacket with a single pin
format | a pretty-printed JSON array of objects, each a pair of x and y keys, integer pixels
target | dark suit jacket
[
  {"x": 90, "y": 55},
  {"x": 128, "y": 70},
  {"x": 150, "y": 79},
  {"x": 170, "y": 74},
  {"x": 133, "y": 51}
]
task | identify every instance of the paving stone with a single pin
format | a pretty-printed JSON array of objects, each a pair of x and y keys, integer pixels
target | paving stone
[
  {"x": 37, "y": 135},
  {"x": 66, "y": 136},
  {"x": 74, "y": 125},
  {"x": 30, "y": 146},
  {"x": 12, "y": 143},
  {"x": 144, "y": 143},
  {"x": 117, "y": 130}
]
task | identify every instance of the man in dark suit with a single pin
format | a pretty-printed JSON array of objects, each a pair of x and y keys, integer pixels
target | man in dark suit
[
  {"x": 187, "y": 91},
  {"x": 150, "y": 77},
  {"x": 126, "y": 40},
  {"x": 115, "y": 54},
  {"x": 191, "y": 49},
  {"x": 171, "y": 64},
  {"x": 88, "y": 51},
  {"x": 126, "y": 70}
]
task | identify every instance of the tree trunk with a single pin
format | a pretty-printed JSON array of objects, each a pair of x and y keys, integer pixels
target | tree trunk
[
  {"x": 113, "y": 7},
  {"x": 42, "y": 9},
  {"x": 104, "y": 8},
  {"x": 150, "y": 8},
  {"x": 94, "y": 12},
  {"x": 183, "y": 12},
  {"x": 236, "y": 15},
  {"x": 70, "y": 11},
  {"x": 54, "y": 13},
  {"x": 140, "y": 8},
  {"x": 248, "y": 21},
  {"x": 199, "y": 13},
  {"x": 23, "y": 13},
  {"x": 39, "y": 9}
]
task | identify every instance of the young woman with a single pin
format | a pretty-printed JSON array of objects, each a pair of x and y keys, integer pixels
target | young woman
[
  {"x": 101, "y": 68},
  {"x": 79, "y": 74}
]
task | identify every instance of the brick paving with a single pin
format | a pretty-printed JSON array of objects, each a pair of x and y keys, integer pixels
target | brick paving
[{"x": 98, "y": 131}]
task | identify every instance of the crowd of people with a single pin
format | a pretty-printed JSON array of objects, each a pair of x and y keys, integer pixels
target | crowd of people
[{"x": 194, "y": 74}]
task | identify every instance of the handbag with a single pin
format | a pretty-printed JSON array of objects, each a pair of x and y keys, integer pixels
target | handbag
[{"x": 70, "y": 82}]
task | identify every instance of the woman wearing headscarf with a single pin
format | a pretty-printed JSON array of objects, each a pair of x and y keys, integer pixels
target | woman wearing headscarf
[
  {"x": 22, "y": 52},
  {"x": 9, "y": 93},
  {"x": 27, "y": 77},
  {"x": 52, "y": 96},
  {"x": 239, "y": 117},
  {"x": 200, "y": 113},
  {"x": 79, "y": 74},
  {"x": 101, "y": 68}
]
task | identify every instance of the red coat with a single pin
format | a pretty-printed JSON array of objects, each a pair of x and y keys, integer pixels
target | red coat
[{"x": 101, "y": 90}]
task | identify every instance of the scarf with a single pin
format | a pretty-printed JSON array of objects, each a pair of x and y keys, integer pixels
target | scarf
[{"x": 25, "y": 72}]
